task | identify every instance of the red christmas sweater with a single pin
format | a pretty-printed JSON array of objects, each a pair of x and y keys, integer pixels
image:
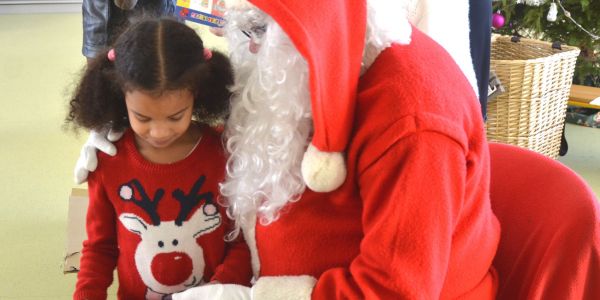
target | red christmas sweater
[
  {"x": 158, "y": 224},
  {"x": 413, "y": 219}
]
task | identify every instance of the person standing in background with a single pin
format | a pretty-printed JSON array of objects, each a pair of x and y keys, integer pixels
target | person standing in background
[
  {"x": 104, "y": 20},
  {"x": 480, "y": 22}
]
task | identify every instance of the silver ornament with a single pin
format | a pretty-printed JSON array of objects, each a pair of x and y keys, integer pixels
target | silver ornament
[
  {"x": 552, "y": 12},
  {"x": 534, "y": 2}
]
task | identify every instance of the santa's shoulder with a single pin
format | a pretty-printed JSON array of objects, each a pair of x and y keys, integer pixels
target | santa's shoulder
[{"x": 420, "y": 77}]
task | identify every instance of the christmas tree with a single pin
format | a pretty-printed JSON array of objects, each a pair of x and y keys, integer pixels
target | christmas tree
[{"x": 571, "y": 22}]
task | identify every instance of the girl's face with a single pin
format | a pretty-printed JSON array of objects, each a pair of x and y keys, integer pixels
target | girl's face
[{"x": 159, "y": 120}]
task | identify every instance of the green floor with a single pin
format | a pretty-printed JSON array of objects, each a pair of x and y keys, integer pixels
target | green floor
[
  {"x": 584, "y": 154},
  {"x": 39, "y": 59}
]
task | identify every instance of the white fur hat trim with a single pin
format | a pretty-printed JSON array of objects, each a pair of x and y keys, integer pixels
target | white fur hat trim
[
  {"x": 283, "y": 287},
  {"x": 323, "y": 171}
]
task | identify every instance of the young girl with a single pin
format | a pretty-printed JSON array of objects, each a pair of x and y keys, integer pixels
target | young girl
[{"x": 153, "y": 211}]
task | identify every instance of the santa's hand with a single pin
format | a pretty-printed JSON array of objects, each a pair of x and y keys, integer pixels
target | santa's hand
[
  {"x": 215, "y": 291},
  {"x": 126, "y": 4},
  {"x": 88, "y": 161}
]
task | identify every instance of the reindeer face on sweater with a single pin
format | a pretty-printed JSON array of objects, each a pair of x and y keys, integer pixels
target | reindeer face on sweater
[{"x": 168, "y": 258}]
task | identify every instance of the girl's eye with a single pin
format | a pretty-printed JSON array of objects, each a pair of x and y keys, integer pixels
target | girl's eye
[
  {"x": 175, "y": 118},
  {"x": 143, "y": 120}
]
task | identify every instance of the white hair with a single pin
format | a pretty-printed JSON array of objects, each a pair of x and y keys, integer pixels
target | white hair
[
  {"x": 387, "y": 23},
  {"x": 269, "y": 126}
]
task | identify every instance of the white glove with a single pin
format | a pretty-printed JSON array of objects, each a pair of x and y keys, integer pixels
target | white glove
[
  {"x": 215, "y": 291},
  {"x": 88, "y": 161}
]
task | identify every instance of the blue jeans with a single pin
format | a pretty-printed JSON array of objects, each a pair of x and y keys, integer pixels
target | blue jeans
[
  {"x": 103, "y": 21},
  {"x": 480, "y": 20}
]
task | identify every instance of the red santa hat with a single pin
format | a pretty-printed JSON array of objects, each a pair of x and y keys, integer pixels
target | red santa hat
[{"x": 330, "y": 35}]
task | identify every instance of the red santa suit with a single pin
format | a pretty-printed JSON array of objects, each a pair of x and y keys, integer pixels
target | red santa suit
[{"x": 411, "y": 218}]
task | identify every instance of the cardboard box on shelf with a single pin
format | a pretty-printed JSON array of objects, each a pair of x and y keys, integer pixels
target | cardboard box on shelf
[
  {"x": 78, "y": 203},
  {"x": 206, "y": 12}
]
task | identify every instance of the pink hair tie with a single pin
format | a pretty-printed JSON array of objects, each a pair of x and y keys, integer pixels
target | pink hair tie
[
  {"x": 111, "y": 55},
  {"x": 207, "y": 54}
]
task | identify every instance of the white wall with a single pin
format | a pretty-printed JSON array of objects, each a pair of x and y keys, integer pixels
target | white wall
[{"x": 39, "y": 6}]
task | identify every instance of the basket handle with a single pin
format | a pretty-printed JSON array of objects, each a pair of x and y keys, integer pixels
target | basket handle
[{"x": 556, "y": 45}]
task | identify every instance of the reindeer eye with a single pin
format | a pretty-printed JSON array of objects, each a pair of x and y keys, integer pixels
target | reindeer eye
[
  {"x": 161, "y": 244},
  {"x": 175, "y": 242}
]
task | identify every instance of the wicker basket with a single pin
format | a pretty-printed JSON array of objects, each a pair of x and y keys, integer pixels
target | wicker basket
[{"x": 537, "y": 79}]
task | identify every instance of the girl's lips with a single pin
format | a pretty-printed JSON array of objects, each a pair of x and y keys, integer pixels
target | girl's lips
[{"x": 161, "y": 143}]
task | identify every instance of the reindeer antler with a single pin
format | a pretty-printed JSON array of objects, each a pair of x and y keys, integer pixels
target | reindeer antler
[
  {"x": 189, "y": 201},
  {"x": 148, "y": 205}
]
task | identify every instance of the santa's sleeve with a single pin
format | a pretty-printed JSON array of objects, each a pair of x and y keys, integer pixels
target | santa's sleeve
[
  {"x": 411, "y": 194},
  {"x": 100, "y": 252}
]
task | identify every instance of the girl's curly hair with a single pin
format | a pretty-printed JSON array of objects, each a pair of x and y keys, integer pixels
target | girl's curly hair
[{"x": 153, "y": 55}]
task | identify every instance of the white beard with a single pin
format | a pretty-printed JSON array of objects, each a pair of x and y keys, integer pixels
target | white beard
[{"x": 268, "y": 129}]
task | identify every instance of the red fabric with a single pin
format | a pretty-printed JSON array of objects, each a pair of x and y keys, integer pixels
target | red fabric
[
  {"x": 413, "y": 218},
  {"x": 330, "y": 36},
  {"x": 550, "y": 243},
  {"x": 110, "y": 244}
]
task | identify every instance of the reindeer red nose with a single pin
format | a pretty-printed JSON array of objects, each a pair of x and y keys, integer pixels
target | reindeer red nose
[{"x": 172, "y": 268}]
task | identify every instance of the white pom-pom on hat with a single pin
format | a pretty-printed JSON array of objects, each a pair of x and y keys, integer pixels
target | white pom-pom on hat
[{"x": 323, "y": 171}]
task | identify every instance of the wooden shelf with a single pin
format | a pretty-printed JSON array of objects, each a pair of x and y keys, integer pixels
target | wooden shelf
[{"x": 581, "y": 96}]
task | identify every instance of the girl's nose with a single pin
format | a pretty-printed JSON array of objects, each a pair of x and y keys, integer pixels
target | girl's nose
[{"x": 159, "y": 132}]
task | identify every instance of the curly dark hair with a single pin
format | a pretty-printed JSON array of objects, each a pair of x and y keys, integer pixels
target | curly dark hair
[{"x": 153, "y": 55}]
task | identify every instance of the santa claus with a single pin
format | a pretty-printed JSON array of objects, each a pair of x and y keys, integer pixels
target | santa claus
[
  {"x": 358, "y": 163},
  {"x": 358, "y": 167}
]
